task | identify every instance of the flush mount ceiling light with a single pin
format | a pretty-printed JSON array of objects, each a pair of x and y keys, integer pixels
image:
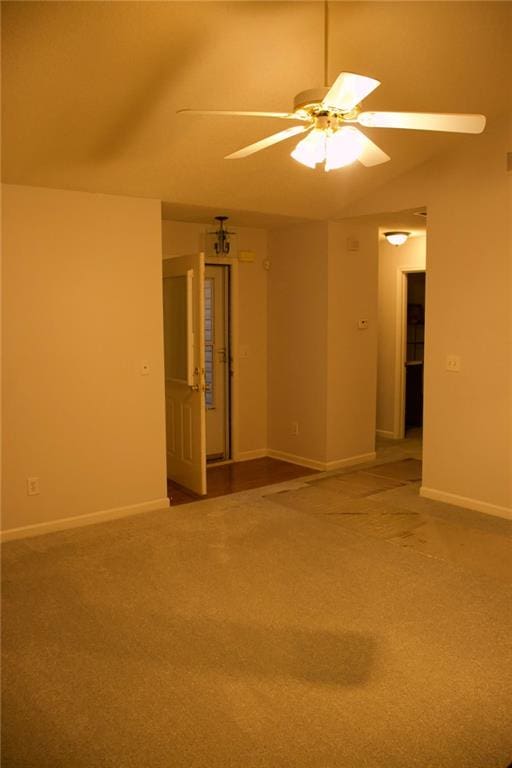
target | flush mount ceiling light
[
  {"x": 328, "y": 114},
  {"x": 396, "y": 238}
]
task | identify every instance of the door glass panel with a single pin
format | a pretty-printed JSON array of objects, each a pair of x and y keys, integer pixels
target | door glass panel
[
  {"x": 209, "y": 339},
  {"x": 175, "y": 328}
]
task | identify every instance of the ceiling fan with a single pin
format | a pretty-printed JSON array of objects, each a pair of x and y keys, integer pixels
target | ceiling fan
[{"x": 329, "y": 116}]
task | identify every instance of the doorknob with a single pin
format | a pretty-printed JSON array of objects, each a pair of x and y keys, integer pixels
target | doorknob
[{"x": 194, "y": 387}]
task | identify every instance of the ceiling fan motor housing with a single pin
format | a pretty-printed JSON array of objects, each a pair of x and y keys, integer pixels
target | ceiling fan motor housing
[
  {"x": 310, "y": 103},
  {"x": 311, "y": 98}
]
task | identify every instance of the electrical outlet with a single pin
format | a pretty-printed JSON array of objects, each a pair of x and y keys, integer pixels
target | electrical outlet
[
  {"x": 295, "y": 428},
  {"x": 32, "y": 486}
]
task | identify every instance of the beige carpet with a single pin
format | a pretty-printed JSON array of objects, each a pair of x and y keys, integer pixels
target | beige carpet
[{"x": 263, "y": 630}]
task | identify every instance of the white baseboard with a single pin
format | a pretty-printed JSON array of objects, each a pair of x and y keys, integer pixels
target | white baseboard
[
  {"x": 38, "y": 529},
  {"x": 302, "y": 461},
  {"x": 388, "y": 434},
  {"x": 258, "y": 453},
  {"x": 322, "y": 466},
  {"x": 362, "y": 458},
  {"x": 468, "y": 503}
]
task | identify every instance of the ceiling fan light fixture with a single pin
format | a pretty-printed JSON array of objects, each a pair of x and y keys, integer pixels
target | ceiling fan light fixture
[
  {"x": 335, "y": 148},
  {"x": 343, "y": 147},
  {"x": 311, "y": 150},
  {"x": 396, "y": 238}
]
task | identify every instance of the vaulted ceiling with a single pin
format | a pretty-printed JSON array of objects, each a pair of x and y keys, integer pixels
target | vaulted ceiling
[{"x": 90, "y": 92}]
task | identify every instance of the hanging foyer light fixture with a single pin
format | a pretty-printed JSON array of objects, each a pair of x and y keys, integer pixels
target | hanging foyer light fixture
[{"x": 221, "y": 244}]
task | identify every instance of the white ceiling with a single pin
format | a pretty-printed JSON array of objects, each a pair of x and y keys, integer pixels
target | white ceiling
[{"x": 90, "y": 92}]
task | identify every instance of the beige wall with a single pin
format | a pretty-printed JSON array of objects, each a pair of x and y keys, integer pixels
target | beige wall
[
  {"x": 298, "y": 340},
  {"x": 352, "y": 352},
  {"x": 392, "y": 260},
  {"x": 250, "y": 353},
  {"x": 322, "y": 368},
  {"x": 82, "y": 309},
  {"x": 180, "y": 238},
  {"x": 468, "y": 415}
]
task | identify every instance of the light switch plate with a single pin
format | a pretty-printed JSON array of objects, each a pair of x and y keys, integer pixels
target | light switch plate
[
  {"x": 32, "y": 486},
  {"x": 453, "y": 363}
]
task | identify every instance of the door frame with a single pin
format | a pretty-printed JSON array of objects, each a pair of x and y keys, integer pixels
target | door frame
[
  {"x": 401, "y": 347},
  {"x": 234, "y": 401}
]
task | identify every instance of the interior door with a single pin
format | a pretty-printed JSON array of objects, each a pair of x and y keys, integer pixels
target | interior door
[{"x": 183, "y": 300}]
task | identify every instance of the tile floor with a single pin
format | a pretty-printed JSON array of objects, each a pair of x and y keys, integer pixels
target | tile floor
[{"x": 381, "y": 500}]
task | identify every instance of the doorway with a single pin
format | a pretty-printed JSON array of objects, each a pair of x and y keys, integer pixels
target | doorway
[
  {"x": 198, "y": 365},
  {"x": 414, "y": 350},
  {"x": 217, "y": 355}
]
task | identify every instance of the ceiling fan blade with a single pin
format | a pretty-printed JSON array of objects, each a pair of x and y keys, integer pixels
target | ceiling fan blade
[
  {"x": 282, "y": 115},
  {"x": 423, "y": 121},
  {"x": 348, "y": 90},
  {"x": 268, "y": 141},
  {"x": 371, "y": 154}
]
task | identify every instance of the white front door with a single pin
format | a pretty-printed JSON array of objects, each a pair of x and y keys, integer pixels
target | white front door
[
  {"x": 183, "y": 299},
  {"x": 216, "y": 361}
]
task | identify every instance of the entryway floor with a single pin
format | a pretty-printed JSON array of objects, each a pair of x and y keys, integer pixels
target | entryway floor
[
  {"x": 239, "y": 476},
  {"x": 225, "y": 479}
]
